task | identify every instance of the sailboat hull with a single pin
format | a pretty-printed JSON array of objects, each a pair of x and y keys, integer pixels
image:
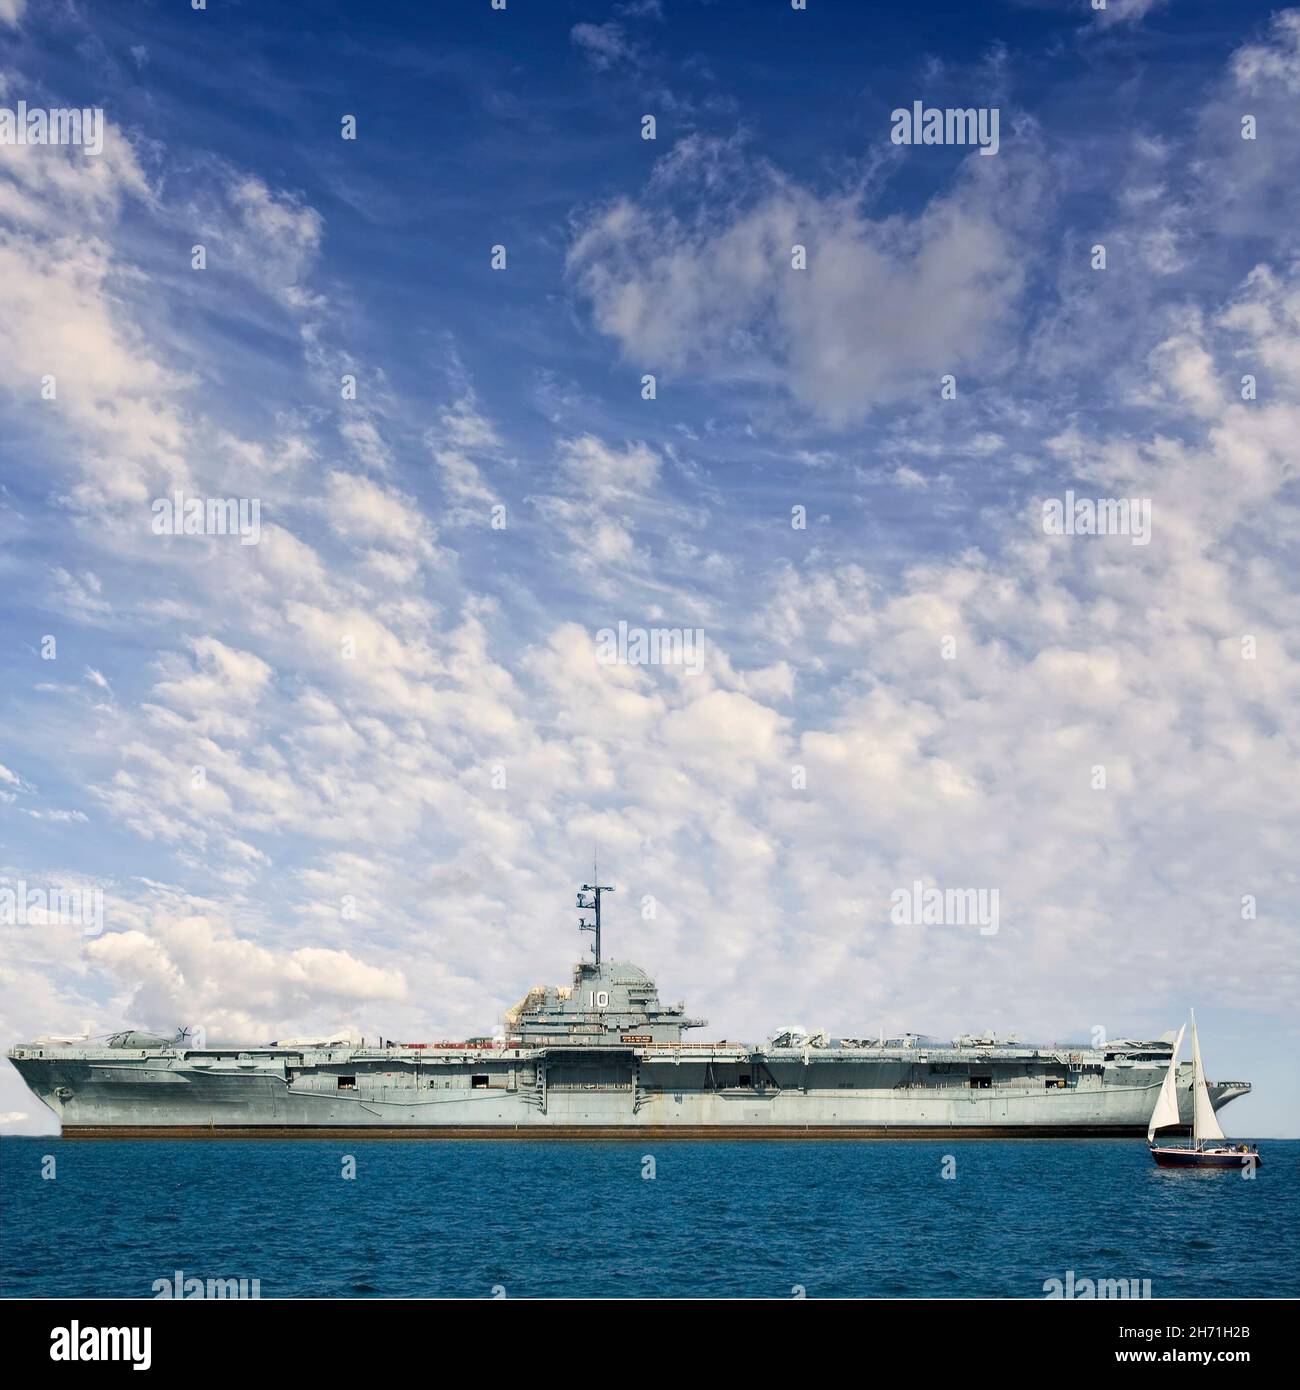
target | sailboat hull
[{"x": 1204, "y": 1158}]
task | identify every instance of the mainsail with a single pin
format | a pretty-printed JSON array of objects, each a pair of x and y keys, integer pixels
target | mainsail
[
  {"x": 1166, "y": 1111},
  {"x": 1205, "y": 1124}
]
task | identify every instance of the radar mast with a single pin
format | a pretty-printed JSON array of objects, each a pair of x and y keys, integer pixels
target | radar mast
[{"x": 589, "y": 901}]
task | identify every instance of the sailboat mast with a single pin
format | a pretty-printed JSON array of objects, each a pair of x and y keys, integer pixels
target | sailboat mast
[
  {"x": 1205, "y": 1124},
  {"x": 1196, "y": 1079}
]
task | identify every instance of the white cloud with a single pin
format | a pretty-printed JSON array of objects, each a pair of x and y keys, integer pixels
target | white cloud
[
  {"x": 365, "y": 511},
  {"x": 884, "y": 307},
  {"x": 1257, "y": 66},
  {"x": 465, "y": 427},
  {"x": 188, "y": 966},
  {"x": 601, "y": 491},
  {"x": 118, "y": 400},
  {"x": 608, "y": 474},
  {"x": 225, "y": 677},
  {"x": 464, "y": 433},
  {"x": 604, "y": 45},
  {"x": 274, "y": 239},
  {"x": 1119, "y": 12}
]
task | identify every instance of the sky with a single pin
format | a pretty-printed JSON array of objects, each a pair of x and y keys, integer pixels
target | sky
[{"x": 500, "y": 374}]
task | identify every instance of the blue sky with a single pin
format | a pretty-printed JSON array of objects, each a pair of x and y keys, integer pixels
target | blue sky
[{"x": 377, "y": 780}]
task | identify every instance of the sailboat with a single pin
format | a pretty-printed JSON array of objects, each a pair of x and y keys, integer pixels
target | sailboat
[{"x": 1203, "y": 1152}]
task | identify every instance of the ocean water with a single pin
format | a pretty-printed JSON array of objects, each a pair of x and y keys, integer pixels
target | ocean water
[{"x": 536, "y": 1219}]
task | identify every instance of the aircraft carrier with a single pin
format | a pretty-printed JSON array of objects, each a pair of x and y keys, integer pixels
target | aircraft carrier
[{"x": 604, "y": 1058}]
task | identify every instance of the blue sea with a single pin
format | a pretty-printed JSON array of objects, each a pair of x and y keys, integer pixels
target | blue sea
[{"x": 546, "y": 1219}]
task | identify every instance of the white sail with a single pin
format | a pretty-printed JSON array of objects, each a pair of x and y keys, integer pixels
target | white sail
[
  {"x": 1166, "y": 1111},
  {"x": 1205, "y": 1124}
]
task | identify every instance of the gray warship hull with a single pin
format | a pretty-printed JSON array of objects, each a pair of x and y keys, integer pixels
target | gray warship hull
[
  {"x": 603, "y": 1058},
  {"x": 600, "y": 1093}
]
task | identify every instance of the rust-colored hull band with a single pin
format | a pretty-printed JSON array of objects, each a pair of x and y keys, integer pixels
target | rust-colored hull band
[{"x": 628, "y": 1134}]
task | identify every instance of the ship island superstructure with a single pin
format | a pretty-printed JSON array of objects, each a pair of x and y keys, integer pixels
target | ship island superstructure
[{"x": 604, "y": 1058}]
